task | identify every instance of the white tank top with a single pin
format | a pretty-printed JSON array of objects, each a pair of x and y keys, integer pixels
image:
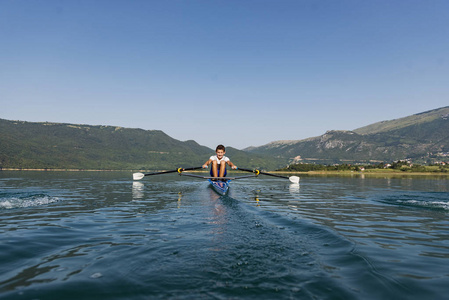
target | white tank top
[{"x": 215, "y": 158}]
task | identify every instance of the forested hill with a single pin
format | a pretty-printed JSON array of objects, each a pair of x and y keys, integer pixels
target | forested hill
[
  {"x": 422, "y": 137},
  {"x": 71, "y": 146}
]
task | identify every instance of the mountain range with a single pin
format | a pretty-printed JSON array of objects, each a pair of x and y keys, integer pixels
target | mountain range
[{"x": 422, "y": 137}]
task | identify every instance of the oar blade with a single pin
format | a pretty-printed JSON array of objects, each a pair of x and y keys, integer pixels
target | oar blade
[
  {"x": 294, "y": 179},
  {"x": 138, "y": 176}
]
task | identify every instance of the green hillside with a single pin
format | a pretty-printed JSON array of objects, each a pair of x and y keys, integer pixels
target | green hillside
[{"x": 70, "y": 146}]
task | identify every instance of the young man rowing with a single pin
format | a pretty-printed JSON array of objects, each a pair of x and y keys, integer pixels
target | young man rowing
[{"x": 219, "y": 162}]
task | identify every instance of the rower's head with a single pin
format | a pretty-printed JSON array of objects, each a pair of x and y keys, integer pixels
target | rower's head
[{"x": 220, "y": 150}]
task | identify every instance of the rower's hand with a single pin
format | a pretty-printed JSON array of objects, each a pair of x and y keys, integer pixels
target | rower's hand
[
  {"x": 234, "y": 167},
  {"x": 204, "y": 166}
]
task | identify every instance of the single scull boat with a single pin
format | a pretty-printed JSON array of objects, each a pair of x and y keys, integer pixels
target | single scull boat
[{"x": 220, "y": 187}]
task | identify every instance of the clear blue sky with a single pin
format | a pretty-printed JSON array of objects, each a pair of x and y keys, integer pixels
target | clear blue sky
[{"x": 237, "y": 72}]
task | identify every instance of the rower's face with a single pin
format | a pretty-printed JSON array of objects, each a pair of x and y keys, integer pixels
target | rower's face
[{"x": 220, "y": 153}]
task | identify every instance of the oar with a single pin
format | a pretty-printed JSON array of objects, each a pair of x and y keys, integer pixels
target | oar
[
  {"x": 294, "y": 179},
  {"x": 138, "y": 176}
]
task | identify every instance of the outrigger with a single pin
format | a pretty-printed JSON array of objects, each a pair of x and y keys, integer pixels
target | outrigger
[{"x": 219, "y": 184}]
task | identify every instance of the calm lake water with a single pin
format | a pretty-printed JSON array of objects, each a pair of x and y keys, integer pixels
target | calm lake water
[{"x": 99, "y": 235}]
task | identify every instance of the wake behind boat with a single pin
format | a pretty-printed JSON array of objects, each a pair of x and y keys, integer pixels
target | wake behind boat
[{"x": 219, "y": 184}]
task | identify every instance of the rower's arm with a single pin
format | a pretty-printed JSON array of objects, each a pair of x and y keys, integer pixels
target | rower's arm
[
  {"x": 207, "y": 163},
  {"x": 231, "y": 164}
]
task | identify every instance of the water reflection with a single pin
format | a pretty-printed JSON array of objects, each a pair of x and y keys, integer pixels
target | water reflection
[
  {"x": 294, "y": 189},
  {"x": 137, "y": 190},
  {"x": 179, "y": 199}
]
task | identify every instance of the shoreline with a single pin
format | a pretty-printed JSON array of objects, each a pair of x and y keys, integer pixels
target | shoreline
[
  {"x": 63, "y": 170},
  {"x": 365, "y": 173},
  {"x": 309, "y": 173}
]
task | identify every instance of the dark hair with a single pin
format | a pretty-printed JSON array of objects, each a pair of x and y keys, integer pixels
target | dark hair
[{"x": 220, "y": 147}]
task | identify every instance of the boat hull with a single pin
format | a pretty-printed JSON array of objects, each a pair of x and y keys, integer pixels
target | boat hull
[{"x": 220, "y": 187}]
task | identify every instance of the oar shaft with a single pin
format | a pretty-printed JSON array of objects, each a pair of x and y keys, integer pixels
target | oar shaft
[
  {"x": 264, "y": 173},
  {"x": 193, "y": 168},
  {"x": 179, "y": 170},
  {"x": 162, "y": 172},
  {"x": 274, "y": 175},
  {"x": 246, "y": 170}
]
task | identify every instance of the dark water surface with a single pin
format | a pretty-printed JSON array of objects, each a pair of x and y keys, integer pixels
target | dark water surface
[{"x": 99, "y": 235}]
